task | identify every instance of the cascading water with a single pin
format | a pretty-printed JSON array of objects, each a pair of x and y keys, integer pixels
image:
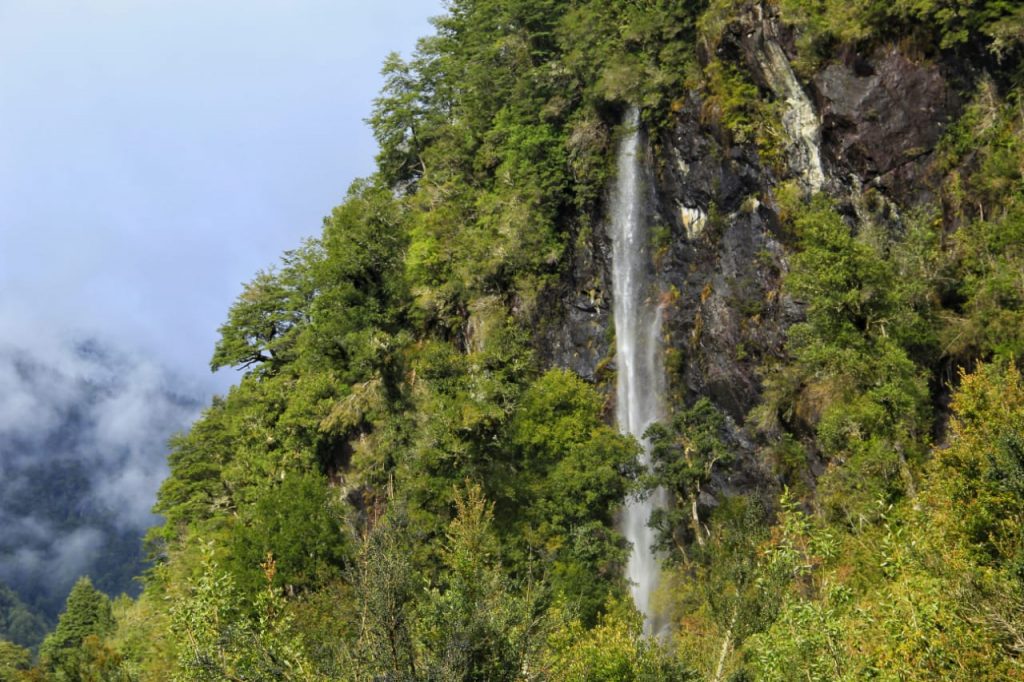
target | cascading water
[{"x": 637, "y": 354}]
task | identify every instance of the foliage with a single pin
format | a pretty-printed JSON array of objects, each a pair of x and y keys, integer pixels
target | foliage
[
  {"x": 13, "y": 659},
  {"x": 75, "y": 648},
  {"x": 471, "y": 625},
  {"x": 984, "y": 190},
  {"x": 934, "y": 25},
  {"x": 401, "y": 487},
  {"x": 218, "y": 640},
  {"x": 572, "y": 473},
  {"x": 852, "y": 377},
  {"x": 383, "y": 577},
  {"x": 983, "y": 469},
  {"x": 475, "y": 627},
  {"x": 298, "y": 523},
  {"x": 733, "y": 102},
  {"x": 264, "y": 321},
  {"x": 725, "y": 591},
  {"x": 941, "y": 602},
  {"x": 684, "y": 455},
  {"x": 805, "y": 635},
  {"x": 18, "y": 624},
  {"x": 613, "y": 650}
]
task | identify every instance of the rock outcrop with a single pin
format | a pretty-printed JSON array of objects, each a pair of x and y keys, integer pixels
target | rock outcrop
[
  {"x": 863, "y": 123},
  {"x": 882, "y": 116}
]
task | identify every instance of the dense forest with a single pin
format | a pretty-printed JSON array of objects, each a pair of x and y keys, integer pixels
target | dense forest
[{"x": 419, "y": 475}]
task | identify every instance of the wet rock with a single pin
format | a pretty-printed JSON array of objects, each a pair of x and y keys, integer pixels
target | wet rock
[
  {"x": 722, "y": 266},
  {"x": 575, "y": 316}
]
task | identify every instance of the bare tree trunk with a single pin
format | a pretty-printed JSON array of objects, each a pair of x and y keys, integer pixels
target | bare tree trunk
[
  {"x": 681, "y": 546},
  {"x": 726, "y": 648},
  {"x": 698, "y": 533},
  {"x": 908, "y": 478}
]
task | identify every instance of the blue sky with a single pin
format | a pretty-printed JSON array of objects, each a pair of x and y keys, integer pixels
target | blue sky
[{"x": 154, "y": 154}]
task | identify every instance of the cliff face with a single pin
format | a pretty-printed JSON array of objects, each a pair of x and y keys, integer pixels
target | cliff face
[
  {"x": 862, "y": 129},
  {"x": 724, "y": 261}
]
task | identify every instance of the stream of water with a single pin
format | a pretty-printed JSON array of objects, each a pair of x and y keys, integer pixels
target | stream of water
[{"x": 640, "y": 374}]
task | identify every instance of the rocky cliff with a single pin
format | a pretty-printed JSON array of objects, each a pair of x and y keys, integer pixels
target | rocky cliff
[{"x": 862, "y": 128}]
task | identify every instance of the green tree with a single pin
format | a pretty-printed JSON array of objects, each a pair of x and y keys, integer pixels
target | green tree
[
  {"x": 264, "y": 322},
  {"x": 18, "y": 624},
  {"x": 806, "y": 637},
  {"x": 359, "y": 312},
  {"x": 569, "y": 475},
  {"x": 87, "y": 614},
  {"x": 724, "y": 593},
  {"x": 218, "y": 639},
  {"x": 195, "y": 491},
  {"x": 297, "y": 520},
  {"x": 385, "y": 582},
  {"x": 476, "y": 626},
  {"x": 684, "y": 455},
  {"x": 851, "y": 379},
  {"x": 471, "y": 623},
  {"x": 13, "y": 660},
  {"x": 614, "y": 650},
  {"x": 982, "y": 472}
]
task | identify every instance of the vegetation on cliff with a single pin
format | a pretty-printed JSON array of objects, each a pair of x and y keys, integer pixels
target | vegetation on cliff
[{"x": 402, "y": 486}]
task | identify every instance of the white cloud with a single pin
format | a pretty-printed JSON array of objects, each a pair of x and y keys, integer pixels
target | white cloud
[{"x": 83, "y": 444}]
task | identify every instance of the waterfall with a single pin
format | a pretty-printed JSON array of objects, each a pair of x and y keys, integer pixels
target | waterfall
[{"x": 640, "y": 375}]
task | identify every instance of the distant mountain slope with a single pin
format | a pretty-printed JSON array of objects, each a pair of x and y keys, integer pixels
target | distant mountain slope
[
  {"x": 18, "y": 623},
  {"x": 82, "y": 446}
]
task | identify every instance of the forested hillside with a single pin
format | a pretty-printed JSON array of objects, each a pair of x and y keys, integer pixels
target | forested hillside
[{"x": 419, "y": 475}]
